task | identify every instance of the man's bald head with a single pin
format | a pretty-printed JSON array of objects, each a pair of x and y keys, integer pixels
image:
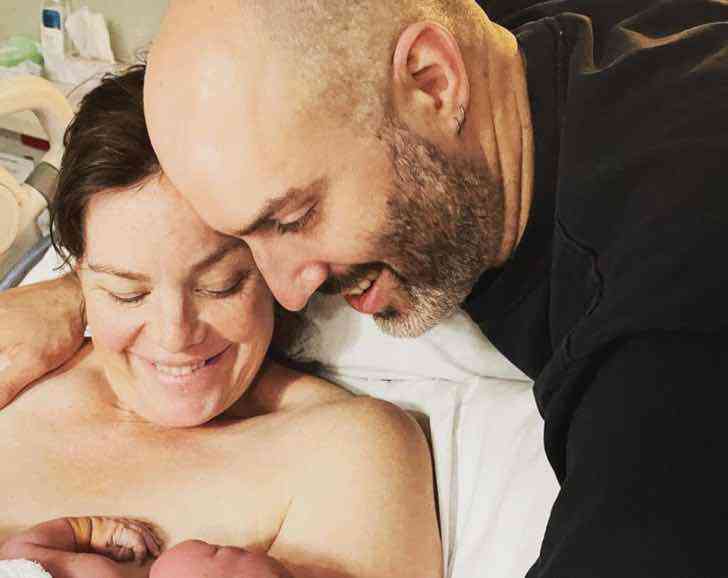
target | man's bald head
[
  {"x": 233, "y": 85},
  {"x": 336, "y": 53},
  {"x": 331, "y": 136},
  {"x": 344, "y": 49}
]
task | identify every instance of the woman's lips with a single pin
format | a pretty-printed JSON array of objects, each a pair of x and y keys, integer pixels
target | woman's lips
[
  {"x": 191, "y": 374},
  {"x": 180, "y": 370}
]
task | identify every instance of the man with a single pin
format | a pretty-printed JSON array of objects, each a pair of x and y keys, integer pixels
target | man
[{"x": 562, "y": 178}]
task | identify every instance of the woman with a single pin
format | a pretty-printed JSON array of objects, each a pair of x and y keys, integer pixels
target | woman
[{"x": 174, "y": 415}]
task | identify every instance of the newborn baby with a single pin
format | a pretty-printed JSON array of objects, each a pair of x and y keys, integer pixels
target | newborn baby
[
  {"x": 93, "y": 546},
  {"x": 194, "y": 559}
]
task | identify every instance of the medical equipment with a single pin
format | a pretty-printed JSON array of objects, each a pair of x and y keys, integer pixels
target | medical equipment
[
  {"x": 53, "y": 39},
  {"x": 22, "y": 242}
]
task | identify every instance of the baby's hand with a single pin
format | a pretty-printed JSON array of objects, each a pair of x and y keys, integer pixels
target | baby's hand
[{"x": 120, "y": 539}]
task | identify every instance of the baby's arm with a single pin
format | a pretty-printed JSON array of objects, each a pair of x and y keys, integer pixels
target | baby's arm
[{"x": 82, "y": 547}]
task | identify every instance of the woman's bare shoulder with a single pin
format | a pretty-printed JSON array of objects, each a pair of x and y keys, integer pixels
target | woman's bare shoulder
[
  {"x": 323, "y": 407},
  {"x": 326, "y": 424},
  {"x": 370, "y": 430},
  {"x": 282, "y": 389},
  {"x": 364, "y": 502}
]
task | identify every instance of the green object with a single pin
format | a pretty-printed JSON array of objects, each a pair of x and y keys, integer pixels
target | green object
[{"x": 17, "y": 49}]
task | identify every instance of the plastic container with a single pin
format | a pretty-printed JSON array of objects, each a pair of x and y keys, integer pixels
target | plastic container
[{"x": 53, "y": 38}]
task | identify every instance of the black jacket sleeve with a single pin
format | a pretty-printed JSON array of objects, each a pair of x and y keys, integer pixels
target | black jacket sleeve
[{"x": 645, "y": 488}]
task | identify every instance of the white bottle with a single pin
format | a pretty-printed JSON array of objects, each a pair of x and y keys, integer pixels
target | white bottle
[{"x": 53, "y": 29}]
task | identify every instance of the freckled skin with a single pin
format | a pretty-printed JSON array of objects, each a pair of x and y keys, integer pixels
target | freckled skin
[
  {"x": 154, "y": 232},
  {"x": 5, "y": 363}
]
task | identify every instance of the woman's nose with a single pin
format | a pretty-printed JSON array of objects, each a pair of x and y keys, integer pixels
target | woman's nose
[{"x": 177, "y": 324}]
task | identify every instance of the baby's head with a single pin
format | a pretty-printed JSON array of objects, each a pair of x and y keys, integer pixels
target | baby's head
[{"x": 194, "y": 558}]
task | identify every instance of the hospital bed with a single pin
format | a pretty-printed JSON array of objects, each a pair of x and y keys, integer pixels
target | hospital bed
[
  {"x": 494, "y": 485},
  {"x": 23, "y": 234}
]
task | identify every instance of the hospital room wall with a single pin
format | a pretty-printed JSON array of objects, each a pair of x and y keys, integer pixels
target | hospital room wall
[{"x": 132, "y": 23}]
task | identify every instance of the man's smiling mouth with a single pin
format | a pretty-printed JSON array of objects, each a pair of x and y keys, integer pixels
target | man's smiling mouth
[
  {"x": 364, "y": 284},
  {"x": 373, "y": 295}
]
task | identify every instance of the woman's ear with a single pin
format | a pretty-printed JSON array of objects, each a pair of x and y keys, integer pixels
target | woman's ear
[{"x": 431, "y": 88}]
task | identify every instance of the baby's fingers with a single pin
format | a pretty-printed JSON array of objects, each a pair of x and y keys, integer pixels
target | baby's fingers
[
  {"x": 122, "y": 539},
  {"x": 152, "y": 541},
  {"x": 136, "y": 537},
  {"x": 119, "y": 554}
]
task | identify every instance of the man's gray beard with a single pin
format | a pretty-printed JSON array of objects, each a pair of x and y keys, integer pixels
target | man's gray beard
[{"x": 445, "y": 226}]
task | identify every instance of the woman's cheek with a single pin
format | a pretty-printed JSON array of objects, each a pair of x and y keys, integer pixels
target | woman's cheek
[
  {"x": 111, "y": 328},
  {"x": 247, "y": 317}
]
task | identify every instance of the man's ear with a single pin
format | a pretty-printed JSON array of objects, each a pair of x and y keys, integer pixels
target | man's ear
[{"x": 430, "y": 82}]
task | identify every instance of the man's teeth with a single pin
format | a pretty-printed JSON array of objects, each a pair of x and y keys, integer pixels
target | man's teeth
[
  {"x": 364, "y": 284},
  {"x": 179, "y": 371}
]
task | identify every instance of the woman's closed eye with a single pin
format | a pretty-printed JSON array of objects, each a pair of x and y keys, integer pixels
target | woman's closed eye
[
  {"x": 227, "y": 289},
  {"x": 127, "y": 298}
]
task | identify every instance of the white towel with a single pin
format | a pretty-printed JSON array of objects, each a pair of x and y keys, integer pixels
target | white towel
[{"x": 22, "y": 569}]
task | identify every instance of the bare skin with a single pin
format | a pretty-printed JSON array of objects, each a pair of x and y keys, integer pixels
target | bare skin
[
  {"x": 85, "y": 546},
  {"x": 31, "y": 345},
  {"x": 94, "y": 546},
  {"x": 175, "y": 416},
  {"x": 255, "y": 483}
]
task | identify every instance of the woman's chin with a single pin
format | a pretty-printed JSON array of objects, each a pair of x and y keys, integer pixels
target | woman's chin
[
  {"x": 183, "y": 413},
  {"x": 176, "y": 399}
]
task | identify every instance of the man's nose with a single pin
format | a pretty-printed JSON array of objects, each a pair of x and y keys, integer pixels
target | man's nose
[
  {"x": 291, "y": 279},
  {"x": 177, "y": 326}
]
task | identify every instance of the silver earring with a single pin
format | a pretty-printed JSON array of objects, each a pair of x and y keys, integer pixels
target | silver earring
[{"x": 460, "y": 119}]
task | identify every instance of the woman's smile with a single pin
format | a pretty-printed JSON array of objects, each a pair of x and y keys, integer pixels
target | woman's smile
[{"x": 197, "y": 374}]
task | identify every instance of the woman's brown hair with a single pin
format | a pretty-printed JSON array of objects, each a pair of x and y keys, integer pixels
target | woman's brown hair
[{"x": 107, "y": 148}]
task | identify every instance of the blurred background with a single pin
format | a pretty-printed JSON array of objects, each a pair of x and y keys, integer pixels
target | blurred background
[{"x": 132, "y": 23}]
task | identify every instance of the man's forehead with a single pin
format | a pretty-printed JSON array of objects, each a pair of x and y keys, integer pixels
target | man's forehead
[
  {"x": 240, "y": 204},
  {"x": 205, "y": 92},
  {"x": 291, "y": 198},
  {"x": 229, "y": 135},
  {"x": 234, "y": 136}
]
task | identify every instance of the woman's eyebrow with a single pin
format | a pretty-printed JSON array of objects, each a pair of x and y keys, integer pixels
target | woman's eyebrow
[
  {"x": 109, "y": 270},
  {"x": 204, "y": 263},
  {"x": 217, "y": 255}
]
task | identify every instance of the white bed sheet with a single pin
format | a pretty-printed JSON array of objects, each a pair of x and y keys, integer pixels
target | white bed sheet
[{"x": 495, "y": 487}]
